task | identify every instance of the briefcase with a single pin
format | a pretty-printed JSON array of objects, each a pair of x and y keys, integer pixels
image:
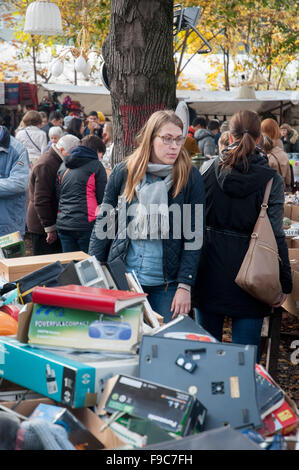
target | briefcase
[
  {"x": 220, "y": 375},
  {"x": 44, "y": 277}
]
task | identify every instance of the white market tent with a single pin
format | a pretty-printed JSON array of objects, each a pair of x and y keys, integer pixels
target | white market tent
[
  {"x": 207, "y": 103},
  {"x": 226, "y": 103}
]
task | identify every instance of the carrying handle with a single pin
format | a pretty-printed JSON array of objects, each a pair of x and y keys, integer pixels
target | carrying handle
[{"x": 194, "y": 351}]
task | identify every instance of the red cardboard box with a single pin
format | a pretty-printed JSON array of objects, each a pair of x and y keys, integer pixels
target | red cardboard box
[{"x": 283, "y": 421}]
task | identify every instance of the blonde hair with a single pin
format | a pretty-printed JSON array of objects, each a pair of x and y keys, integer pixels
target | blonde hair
[
  {"x": 32, "y": 118},
  {"x": 223, "y": 141},
  {"x": 138, "y": 161},
  {"x": 108, "y": 128}
]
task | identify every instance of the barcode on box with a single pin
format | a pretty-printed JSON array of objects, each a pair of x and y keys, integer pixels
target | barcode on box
[{"x": 131, "y": 382}]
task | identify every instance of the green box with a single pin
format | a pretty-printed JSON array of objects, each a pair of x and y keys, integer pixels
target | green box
[
  {"x": 12, "y": 246},
  {"x": 91, "y": 331},
  {"x": 171, "y": 409}
]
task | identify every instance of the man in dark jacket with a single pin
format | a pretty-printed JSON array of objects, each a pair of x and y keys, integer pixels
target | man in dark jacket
[
  {"x": 81, "y": 182},
  {"x": 42, "y": 206}
]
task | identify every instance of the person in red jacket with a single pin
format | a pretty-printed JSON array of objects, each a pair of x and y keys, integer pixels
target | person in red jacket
[{"x": 81, "y": 182}]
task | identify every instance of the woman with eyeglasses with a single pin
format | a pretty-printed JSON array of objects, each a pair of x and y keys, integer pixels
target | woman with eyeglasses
[{"x": 163, "y": 197}]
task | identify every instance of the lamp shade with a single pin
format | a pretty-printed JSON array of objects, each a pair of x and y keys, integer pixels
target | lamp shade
[
  {"x": 43, "y": 18},
  {"x": 246, "y": 93},
  {"x": 57, "y": 68},
  {"x": 87, "y": 70},
  {"x": 80, "y": 64}
]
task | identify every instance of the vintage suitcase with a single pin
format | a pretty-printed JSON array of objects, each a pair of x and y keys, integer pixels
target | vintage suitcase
[{"x": 221, "y": 375}]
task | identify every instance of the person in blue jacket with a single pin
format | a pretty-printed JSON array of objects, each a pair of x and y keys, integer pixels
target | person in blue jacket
[
  {"x": 14, "y": 176},
  {"x": 160, "y": 236}
]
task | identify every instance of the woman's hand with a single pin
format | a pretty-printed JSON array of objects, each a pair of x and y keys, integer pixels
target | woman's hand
[
  {"x": 282, "y": 300},
  {"x": 181, "y": 304}
]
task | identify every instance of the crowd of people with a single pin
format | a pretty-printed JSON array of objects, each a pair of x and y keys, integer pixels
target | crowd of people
[{"x": 183, "y": 258}]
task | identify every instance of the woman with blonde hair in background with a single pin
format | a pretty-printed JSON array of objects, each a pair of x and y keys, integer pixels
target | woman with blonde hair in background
[
  {"x": 107, "y": 138},
  {"x": 159, "y": 184},
  {"x": 31, "y": 136}
]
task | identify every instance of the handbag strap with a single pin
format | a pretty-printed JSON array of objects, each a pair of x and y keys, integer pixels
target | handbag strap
[
  {"x": 264, "y": 205},
  {"x": 277, "y": 161},
  {"x": 32, "y": 141}
]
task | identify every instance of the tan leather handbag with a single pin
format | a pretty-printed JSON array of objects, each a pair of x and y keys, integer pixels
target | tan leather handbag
[{"x": 259, "y": 272}]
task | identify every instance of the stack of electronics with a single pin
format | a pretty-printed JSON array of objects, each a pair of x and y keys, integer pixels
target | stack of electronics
[
  {"x": 93, "y": 340},
  {"x": 75, "y": 333}
]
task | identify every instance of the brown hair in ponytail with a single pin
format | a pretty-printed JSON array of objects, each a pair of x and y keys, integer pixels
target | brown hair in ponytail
[{"x": 245, "y": 129}]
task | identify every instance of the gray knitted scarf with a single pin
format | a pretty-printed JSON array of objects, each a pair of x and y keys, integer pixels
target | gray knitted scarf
[{"x": 152, "y": 216}]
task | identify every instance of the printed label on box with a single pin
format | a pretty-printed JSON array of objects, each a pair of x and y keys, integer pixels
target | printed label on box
[{"x": 71, "y": 328}]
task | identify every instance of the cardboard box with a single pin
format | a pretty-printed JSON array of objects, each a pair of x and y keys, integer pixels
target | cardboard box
[
  {"x": 89, "y": 419},
  {"x": 295, "y": 212},
  {"x": 90, "y": 331},
  {"x": 294, "y": 243},
  {"x": 12, "y": 245},
  {"x": 287, "y": 210},
  {"x": 283, "y": 420},
  {"x": 15, "y": 268},
  {"x": 291, "y": 211},
  {"x": 291, "y": 233},
  {"x": 72, "y": 380},
  {"x": 78, "y": 434},
  {"x": 291, "y": 304},
  {"x": 171, "y": 409},
  {"x": 139, "y": 432}
]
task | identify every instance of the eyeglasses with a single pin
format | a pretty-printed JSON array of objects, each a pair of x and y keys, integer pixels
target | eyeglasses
[{"x": 167, "y": 139}]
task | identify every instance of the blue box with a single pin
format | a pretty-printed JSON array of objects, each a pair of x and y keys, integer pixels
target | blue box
[
  {"x": 61, "y": 379},
  {"x": 75, "y": 378}
]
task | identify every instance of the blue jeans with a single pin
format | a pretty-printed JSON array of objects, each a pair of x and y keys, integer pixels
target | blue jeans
[
  {"x": 160, "y": 298},
  {"x": 74, "y": 240},
  {"x": 244, "y": 330}
]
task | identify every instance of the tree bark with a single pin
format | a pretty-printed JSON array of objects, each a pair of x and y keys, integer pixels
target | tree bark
[
  {"x": 226, "y": 69},
  {"x": 138, "y": 54},
  {"x": 34, "y": 64}
]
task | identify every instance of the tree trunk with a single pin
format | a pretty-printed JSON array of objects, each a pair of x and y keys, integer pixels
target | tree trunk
[
  {"x": 138, "y": 54},
  {"x": 34, "y": 64},
  {"x": 226, "y": 69}
]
